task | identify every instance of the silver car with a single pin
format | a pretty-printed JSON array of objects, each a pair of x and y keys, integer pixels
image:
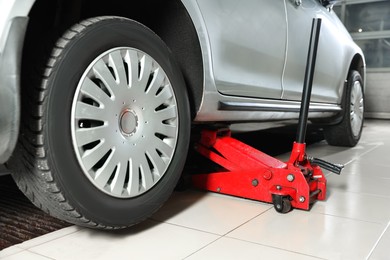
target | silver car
[{"x": 97, "y": 98}]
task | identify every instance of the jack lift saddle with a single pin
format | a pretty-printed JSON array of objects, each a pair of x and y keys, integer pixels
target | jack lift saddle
[{"x": 255, "y": 175}]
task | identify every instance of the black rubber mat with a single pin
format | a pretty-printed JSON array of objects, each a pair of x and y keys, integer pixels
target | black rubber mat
[{"x": 20, "y": 220}]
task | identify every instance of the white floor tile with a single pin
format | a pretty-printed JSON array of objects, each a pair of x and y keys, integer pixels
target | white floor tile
[
  {"x": 371, "y": 169},
  {"x": 376, "y": 130},
  {"x": 229, "y": 248},
  {"x": 10, "y": 251},
  {"x": 209, "y": 212},
  {"x": 359, "y": 184},
  {"x": 25, "y": 255},
  {"x": 50, "y": 237},
  {"x": 312, "y": 234},
  {"x": 357, "y": 206},
  {"x": 322, "y": 150},
  {"x": 149, "y": 240},
  {"x": 380, "y": 155},
  {"x": 381, "y": 251},
  {"x": 347, "y": 225},
  {"x": 349, "y": 155}
]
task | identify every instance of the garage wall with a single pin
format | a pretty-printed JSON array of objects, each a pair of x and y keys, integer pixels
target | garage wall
[
  {"x": 378, "y": 95},
  {"x": 368, "y": 21}
]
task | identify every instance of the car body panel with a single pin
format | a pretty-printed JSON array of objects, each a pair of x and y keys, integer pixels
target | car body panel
[
  {"x": 332, "y": 58},
  {"x": 246, "y": 59},
  {"x": 242, "y": 81},
  {"x": 13, "y": 24},
  {"x": 256, "y": 107},
  {"x": 8, "y": 11}
]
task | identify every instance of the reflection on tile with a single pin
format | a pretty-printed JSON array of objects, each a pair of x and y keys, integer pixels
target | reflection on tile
[
  {"x": 380, "y": 155},
  {"x": 357, "y": 206},
  {"x": 376, "y": 130},
  {"x": 229, "y": 248},
  {"x": 322, "y": 149},
  {"x": 148, "y": 240},
  {"x": 209, "y": 212},
  {"x": 25, "y": 255},
  {"x": 312, "y": 234},
  {"x": 348, "y": 155},
  {"x": 381, "y": 252},
  {"x": 318, "y": 150},
  {"x": 359, "y": 184},
  {"x": 370, "y": 169}
]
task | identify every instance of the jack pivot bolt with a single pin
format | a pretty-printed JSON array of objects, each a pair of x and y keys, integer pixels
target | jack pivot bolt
[
  {"x": 255, "y": 182},
  {"x": 302, "y": 199},
  {"x": 290, "y": 177}
]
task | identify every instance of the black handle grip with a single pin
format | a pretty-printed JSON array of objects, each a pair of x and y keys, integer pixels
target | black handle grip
[{"x": 335, "y": 168}]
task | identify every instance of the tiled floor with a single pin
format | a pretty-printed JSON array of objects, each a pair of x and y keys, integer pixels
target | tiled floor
[{"x": 353, "y": 223}]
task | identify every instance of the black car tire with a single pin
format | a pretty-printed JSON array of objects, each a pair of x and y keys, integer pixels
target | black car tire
[
  {"x": 49, "y": 164},
  {"x": 348, "y": 131}
]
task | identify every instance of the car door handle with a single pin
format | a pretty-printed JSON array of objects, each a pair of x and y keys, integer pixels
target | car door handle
[{"x": 298, "y": 2}]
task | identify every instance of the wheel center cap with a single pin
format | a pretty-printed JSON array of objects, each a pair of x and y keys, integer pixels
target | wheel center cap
[{"x": 128, "y": 122}]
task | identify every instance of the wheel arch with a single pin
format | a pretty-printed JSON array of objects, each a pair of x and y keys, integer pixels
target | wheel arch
[
  {"x": 359, "y": 65},
  {"x": 168, "y": 19}
]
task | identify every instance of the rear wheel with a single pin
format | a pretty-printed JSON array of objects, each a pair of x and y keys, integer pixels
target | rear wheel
[
  {"x": 107, "y": 128},
  {"x": 348, "y": 132}
]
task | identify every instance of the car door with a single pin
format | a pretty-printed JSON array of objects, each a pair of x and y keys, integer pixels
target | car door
[
  {"x": 248, "y": 45},
  {"x": 328, "y": 79}
]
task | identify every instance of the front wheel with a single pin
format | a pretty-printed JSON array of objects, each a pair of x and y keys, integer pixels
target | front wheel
[
  {"x": 349, "y": 130},
  {"x": 107, "y": 130}
]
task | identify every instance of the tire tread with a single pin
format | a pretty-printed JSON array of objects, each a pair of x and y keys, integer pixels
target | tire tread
[{"x": 30, "y": 163}]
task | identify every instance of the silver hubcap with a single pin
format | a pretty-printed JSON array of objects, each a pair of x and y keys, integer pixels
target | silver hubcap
[
  {"x": 124, "y": 122},
  {"x": 356, "y": 108}
]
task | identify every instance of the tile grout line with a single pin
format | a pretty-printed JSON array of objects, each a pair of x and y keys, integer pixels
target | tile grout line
[
  {"x": 185, "y": 227},
  {"x": 274, "y": 247},
  {"x": 364, "y": 153},
  {"x": 278, "y": 248},
  {"x": 379, "y": 239},
  {"x": 203, "y": 247},
  {"x": 224, "y": 235},
  {"x": 24, "y": 249},
  {"x": 354, "y": 159},
  {"x": 38, "y": 254},
  {"x": 79, "y": 228},
  {"x": 262, "y": 213}
]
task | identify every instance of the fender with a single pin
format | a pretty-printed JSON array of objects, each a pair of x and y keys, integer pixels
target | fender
[{"x": 13, "y": 25}]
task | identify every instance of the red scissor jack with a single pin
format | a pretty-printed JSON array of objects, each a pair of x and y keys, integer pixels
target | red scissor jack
[{"x": 255, "y": 175}]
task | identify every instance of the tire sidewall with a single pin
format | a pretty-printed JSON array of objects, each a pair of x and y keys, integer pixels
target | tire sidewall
[
  {"x": 353, "y": 77},
  {"x": 62, "y": 83}
]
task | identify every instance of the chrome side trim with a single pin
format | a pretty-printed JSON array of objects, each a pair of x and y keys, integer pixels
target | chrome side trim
[
  {"x": 235, "y": 109},
  {"x": 286, "y": 106}
]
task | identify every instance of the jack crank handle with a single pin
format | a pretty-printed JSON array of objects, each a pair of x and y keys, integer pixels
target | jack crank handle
[{"x": 335, "y": 168}]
